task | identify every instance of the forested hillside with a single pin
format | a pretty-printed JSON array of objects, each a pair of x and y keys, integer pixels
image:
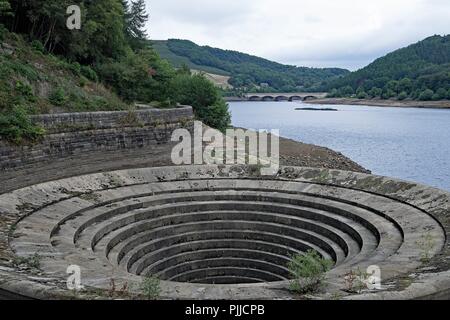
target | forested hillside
[
  {"x": 246, "y": 71},
  {"x": 420, "y": 71},
  {"x": 105, "y": 65}
]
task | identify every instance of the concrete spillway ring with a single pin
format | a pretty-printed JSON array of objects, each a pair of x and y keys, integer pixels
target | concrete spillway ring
[{"x": 225, "y": 231}]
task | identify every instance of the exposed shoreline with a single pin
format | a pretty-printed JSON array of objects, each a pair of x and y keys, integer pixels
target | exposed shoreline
[
  {"x": 443, "y": 104},
  {"x": 299, "y": 154},
  {"x": 296, "y": 153}
]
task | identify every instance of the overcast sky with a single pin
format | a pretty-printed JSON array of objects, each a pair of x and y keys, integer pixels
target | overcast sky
[{"x": 314, "y": 33}]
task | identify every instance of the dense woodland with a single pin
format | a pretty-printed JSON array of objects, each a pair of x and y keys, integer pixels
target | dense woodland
[
  {"x": 248, "y": 72},
  {"x": 420, "y": 71},
  {"x": 105, "y": 65}
]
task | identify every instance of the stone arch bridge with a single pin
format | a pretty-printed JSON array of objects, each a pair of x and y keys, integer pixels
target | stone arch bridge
[{"x": 284, "y": 96}]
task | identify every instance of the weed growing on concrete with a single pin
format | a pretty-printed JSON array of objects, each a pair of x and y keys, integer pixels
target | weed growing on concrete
[
  {"x": 32, "y": 262},
  {"x": 356, "y": 281},
  {"x": 131, "y": 120},
  {"x": 150, "y": 287},
  {"x": 426, "y": 245},
  {"x": 308, "y": 271}
]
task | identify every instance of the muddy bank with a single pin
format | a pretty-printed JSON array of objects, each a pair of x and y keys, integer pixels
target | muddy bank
[{"x": 444, "y": 104}]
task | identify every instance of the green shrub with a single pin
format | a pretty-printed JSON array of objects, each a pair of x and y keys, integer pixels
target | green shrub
[
  {"x": 38, "y": 46},
  {"x": 75, "y": 67},
  {"x": 15, "y": 126},
  {"x": 142, "y": 77},
  {"x": 441, "y": 94},
  {"x": 203, "y": 96},
  {"x": 58, "y": 97},
  {"x": 402, "y": 96},
  {"x": 361, "y": 94},
  {"x": 33, "y": 262},
  {"x": 89, "y": 73},
  {"x": 375, "y": 92},
  {"x": 346, "y": 91},
  {"x": 426, "y": 244},
  {"x": 333, "y": 93},
  {"x": 150, "y": 287},
  {"x": 23, "y": 69},
  {"x": 426, "y": 95},
  {"x": 3, "y": 32},
  {"x": 308, "y": 271},
  {"x": 25, "y": 91},
  {"x": 387, "y": 94},
  {"x": 83, "y": 82}
]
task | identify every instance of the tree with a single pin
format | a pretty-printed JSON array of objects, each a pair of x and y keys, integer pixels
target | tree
[
  {"x": 141, "y": 76},
  {"x": 392, "y": 86},
  {"x": 360, "y": 93},
  {"x": 204, "y": 97},
  {"x": 100, "y": 38},
  {"x": 346, "y": 91},
  {"x": 441, "y": 94},
  {"x": 405, "y": 85},
  {"x": 375, "y": 92},
  {"x": 402, "y": 96},
  {"x": 184, "y": 69},
  {"x": 135, "y": 18},
  {"x": 102, "y": 35},
  {"x": 5, "y": 7},
  {"x": 388, "y": 93},
  {"x": 333, "y": 93},
  {"x": 426, "y": 95}
]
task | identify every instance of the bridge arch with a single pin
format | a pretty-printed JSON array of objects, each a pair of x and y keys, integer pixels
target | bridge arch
[
  {"x": 281, "y": 98},
  {"x": 309, "y": 98},
  {"x": 295, "y": 98},
  {"x": 267, "y": 98},
  {"x": 254, "y": 98}
]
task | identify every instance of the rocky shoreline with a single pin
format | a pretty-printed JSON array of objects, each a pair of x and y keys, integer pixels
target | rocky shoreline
[
  {"x": 299, "y": 154},
  {"x": 295, "y": 153},
  {"x": 443, "y": 104}
]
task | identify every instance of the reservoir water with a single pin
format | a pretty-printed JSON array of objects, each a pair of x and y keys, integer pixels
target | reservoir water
[{"x": 407, "y": 143}]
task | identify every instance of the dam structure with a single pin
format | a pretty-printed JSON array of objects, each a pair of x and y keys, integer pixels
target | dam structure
[{"x": 97, "y": 193}]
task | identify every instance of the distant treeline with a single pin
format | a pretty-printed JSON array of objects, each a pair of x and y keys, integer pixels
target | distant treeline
[
  {"x": 251, "y": 73},
  {"x": 420, "y": 71}
]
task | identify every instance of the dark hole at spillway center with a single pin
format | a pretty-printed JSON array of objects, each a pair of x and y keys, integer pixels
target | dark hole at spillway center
[{"x": 226, "y": 236}]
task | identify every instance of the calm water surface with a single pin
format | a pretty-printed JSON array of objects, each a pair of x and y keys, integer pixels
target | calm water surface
[{"x": 407, "y": 143}]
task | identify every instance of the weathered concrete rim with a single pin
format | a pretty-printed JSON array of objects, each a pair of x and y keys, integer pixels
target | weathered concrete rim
[{"x": 431, "y": 201}]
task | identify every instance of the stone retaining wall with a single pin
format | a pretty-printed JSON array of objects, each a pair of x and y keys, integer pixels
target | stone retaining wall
[{"x": 79, "y": 143}]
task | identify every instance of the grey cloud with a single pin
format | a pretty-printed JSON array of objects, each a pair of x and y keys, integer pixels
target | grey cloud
[{"x": 316, "y": 33}]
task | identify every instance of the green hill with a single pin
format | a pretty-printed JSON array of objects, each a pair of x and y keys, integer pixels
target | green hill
[
  {"x": 246, "y": 71},
  {"x": 419, "y": 71},
  {"x": 46, "y": 83}
]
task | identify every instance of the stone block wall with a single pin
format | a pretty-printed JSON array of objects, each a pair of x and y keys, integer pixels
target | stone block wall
[{"x": 78, "y": 143}]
